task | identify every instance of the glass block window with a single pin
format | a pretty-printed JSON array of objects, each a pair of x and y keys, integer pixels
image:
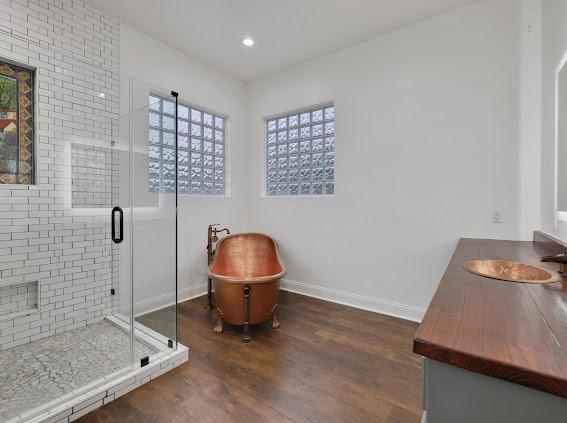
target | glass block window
[
  {"x": 301, "y": 153},
  {"x": 201, "y": 149}
]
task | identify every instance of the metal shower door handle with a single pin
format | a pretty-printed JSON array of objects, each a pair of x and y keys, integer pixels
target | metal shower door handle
[{"x": 120, "y": 237}]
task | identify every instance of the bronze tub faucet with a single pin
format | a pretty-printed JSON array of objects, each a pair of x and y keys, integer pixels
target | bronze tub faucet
[
  {"x": 212, "y": 238},
  {"x": 560, "y": 259}
]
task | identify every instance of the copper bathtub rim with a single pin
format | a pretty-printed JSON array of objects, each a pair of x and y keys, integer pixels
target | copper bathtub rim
[{"x": 257, "y": 279}]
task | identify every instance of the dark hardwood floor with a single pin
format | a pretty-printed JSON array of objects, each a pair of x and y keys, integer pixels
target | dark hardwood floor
[{"x": 327, "y": 363}]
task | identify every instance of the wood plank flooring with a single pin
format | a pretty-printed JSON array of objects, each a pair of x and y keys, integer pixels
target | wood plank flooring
[{"x": 327, "y": 363}]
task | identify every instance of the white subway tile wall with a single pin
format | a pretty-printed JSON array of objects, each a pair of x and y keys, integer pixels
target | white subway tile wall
[{"x": 75, "y": 50}]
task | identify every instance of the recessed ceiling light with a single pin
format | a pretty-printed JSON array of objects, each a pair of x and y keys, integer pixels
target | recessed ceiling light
[
  {"x": 102, "y": 95},
  {"x": 248, "y": 41}
]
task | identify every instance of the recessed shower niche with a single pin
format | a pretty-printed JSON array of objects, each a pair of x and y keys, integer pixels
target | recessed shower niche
[{"x": 18, "y": 299}]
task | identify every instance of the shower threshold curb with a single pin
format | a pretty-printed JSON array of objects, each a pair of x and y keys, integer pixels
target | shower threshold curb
[{"x": 85, "y": 399}]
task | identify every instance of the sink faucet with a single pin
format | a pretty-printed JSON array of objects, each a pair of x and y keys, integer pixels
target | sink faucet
[{"x": 560, "y": 259}]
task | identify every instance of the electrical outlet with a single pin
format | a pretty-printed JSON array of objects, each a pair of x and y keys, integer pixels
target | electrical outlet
[{"x": 497, "y": 216}]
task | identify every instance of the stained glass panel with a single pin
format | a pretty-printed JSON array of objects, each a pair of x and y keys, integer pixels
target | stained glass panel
[{"x": 16, "y": 124}]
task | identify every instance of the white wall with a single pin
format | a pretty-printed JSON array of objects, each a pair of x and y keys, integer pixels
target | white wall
[
  {"x": 429, "y": 143},
  {"x": 554, "y": 46},
  {"x": 196, "y": 83},
  {"x": 427, "y": 146},
  {"x": 529, "y": 163}
]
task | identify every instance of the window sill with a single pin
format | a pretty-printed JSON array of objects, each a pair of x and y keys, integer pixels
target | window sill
[
  {"x": 171, "y": 194},
  {"x": 299, "y": 196}
]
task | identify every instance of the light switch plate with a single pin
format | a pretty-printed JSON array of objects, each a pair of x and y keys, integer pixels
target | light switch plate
[{"x": 497, "y": 216}]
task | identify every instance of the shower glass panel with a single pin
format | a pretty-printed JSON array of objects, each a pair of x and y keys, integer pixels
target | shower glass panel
[{"x": 154, "y": 171}]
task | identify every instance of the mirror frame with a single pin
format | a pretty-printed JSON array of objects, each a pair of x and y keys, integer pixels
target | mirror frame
[{"x": 559, "y": 215}]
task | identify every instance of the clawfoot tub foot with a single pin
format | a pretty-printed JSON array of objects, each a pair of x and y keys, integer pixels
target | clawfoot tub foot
[
  {"x": 275, "y": 321},
  {"x": 218, "y": 326}
]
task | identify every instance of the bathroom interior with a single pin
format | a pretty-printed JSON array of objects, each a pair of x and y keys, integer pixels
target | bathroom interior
[{"x": 299, "y": 211}]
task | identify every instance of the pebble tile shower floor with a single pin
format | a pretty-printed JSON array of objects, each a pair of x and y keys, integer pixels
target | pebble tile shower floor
[{"x": 46, "y": 369}]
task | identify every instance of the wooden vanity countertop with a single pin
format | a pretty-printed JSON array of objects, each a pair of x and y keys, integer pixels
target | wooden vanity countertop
[{"x": 512, "y": 331}]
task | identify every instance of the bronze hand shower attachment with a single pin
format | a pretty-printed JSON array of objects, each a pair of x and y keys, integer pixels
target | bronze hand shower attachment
[{"x": 212, "y": 237}]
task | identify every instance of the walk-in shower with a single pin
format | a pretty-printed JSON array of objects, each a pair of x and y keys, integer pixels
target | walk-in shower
[{"x": 90, "y": 244}]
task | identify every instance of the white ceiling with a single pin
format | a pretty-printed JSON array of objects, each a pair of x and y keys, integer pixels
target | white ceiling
[{"x": 287, "y": 32}]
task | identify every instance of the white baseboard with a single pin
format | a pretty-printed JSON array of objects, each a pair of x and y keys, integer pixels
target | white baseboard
[
  {"x": 192, "y": 292},
  {"x": 165, "y": 300},
  {"x": 390, "y": 308},
  {"x": 376, "y": 305}
]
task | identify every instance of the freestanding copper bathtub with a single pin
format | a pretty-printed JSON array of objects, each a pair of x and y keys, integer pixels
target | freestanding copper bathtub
[{"x": 246, "y": 273}]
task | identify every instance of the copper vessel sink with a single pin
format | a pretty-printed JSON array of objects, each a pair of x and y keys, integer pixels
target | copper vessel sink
[{"x": 511, "y": 271}]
